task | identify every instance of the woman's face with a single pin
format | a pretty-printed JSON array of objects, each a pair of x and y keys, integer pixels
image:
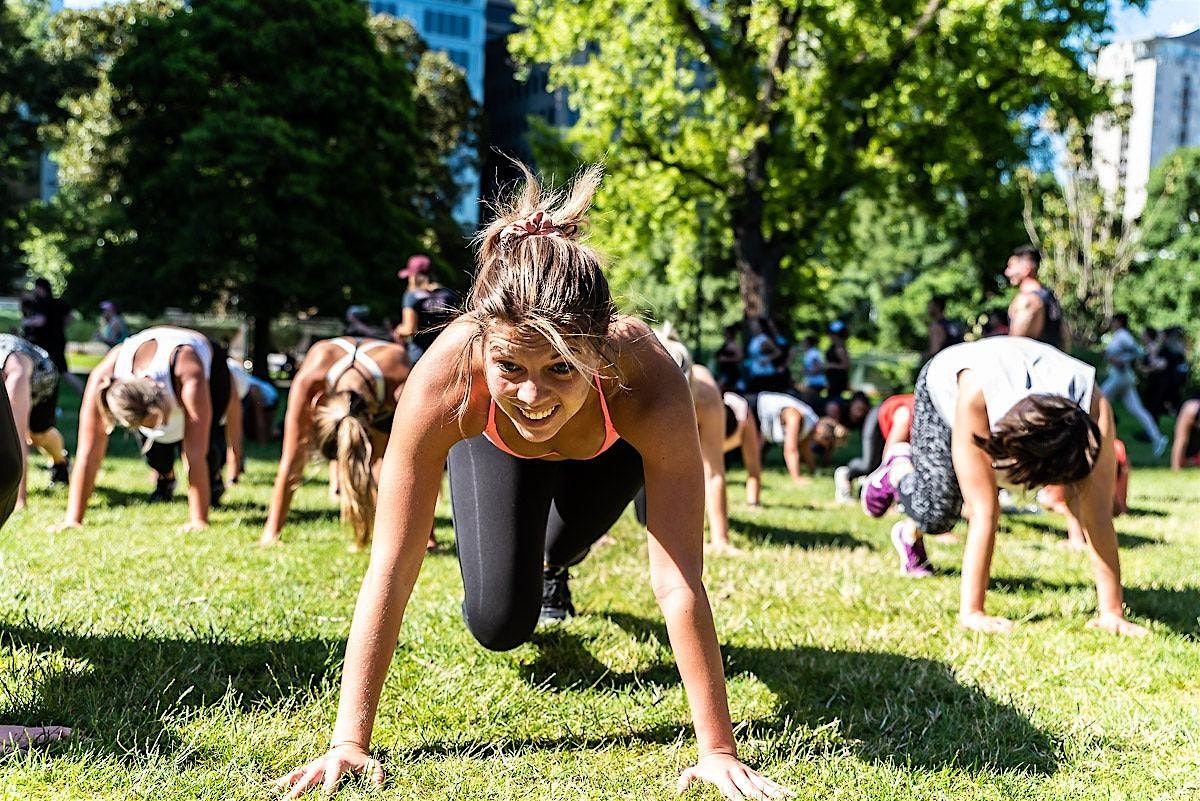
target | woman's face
[{"x": 532, "y": 383}]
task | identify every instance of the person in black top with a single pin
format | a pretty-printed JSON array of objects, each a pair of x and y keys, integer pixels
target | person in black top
[
  {"x": 44, "y": 323},
  {"x": 729, "y": 359},
  {"x": 942, "y": 332},
  {"x": 428, "y": 307},
  {"x": 837, "y": 361},
  {"x": 1035, "y": 312}
]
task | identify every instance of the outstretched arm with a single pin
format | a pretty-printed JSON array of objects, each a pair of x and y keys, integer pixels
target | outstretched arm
[
  {"x": 1184, "y": 423},
  {"x": 91, "y": 444},
  {"x": 411, "y": 476},
  {"x": 297, "y": 425},
  {"x": 710, "y": 414},
  {"x": 752, "y": 457},
  {"x": 1090, "y": 503},
  {"x": 977, "y": 481},
  {"x": 197, "y": 428}
]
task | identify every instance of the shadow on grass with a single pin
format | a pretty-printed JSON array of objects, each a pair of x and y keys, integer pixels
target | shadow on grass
[
  {"x": 1143, "y": 511},
  {"x": 129, "y": 684},
  {"x": 1057, "y": 527},
  {"x": 762, "y": 532},
  {"x": 889, "y": 708},
  {"x": 1177, "y": 608}
]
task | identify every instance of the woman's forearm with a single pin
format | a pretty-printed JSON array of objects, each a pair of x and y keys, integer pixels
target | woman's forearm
[
  {"x": 977, "y": 562},
  {"x": 374, "y": 632},
  {"x": 717, "y": 507},
  {"x": 199, "y": 488},
  {"x": 694, "y": 641}
]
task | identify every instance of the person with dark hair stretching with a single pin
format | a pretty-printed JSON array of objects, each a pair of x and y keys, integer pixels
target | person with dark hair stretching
[
  {"x": 1011, "y": 408},
  {"x": 171, "y": 387},
  {"x": 340, "y": 406},
  {"x": 553, "y": 410},
  {"x": 12, "y": 467},
  {"x": 1035, "y": 311},
  {"x": 31, "y": 380}
]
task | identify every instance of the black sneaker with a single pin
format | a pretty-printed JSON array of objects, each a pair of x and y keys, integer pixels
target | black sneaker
[
  {"x": 556, "y": 595},
  {"x": 216, "y": 490},
  {"x": 164, "y": 491},
  {"x": 60, "y": 474}
]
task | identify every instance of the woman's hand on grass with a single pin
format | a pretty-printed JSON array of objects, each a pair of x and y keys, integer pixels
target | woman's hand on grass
[
  {"x": 193, "y": 526},
  {"x": 328, "y": 770},
  {"x": 1115, "y": 623},
  {"x": 988, "y": 624},
  {"x": 732, "y": 778},
  {"x": 64, "y": 525}
]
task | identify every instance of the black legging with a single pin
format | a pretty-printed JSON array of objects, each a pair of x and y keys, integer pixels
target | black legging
[
  {"x": 513, "y": 515},
  {"x": 872, "y": 447},
  {"x": 161, "y": 457},
  {"x": 11, "y": 465}
]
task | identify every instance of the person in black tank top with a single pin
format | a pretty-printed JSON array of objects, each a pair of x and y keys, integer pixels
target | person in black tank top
[{"x": 1035, "y": 312}]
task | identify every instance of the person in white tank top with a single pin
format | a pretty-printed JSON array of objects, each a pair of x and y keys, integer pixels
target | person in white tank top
[
  {"x": 1004, "y": 408},
  {"x": 168, "y": 386},
  {"x": 790, "y": 422}
]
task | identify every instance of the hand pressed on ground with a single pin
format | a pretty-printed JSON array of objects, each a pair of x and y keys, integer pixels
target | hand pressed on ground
[
  {"x": 328, "y": 770},
  {"x": 734, "y": 779}
]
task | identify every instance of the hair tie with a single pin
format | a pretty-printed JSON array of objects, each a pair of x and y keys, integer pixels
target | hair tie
[{"x": 537, "y": 224}]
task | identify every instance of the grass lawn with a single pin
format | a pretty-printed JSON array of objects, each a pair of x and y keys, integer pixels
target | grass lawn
[{"x": 199, "y": 667}]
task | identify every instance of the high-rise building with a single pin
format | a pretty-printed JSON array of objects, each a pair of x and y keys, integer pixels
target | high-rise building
[
  {"x": 509, "y": 103},
  {"x": 1158, "y": 79},
  {"x": 456, "y": 27}
]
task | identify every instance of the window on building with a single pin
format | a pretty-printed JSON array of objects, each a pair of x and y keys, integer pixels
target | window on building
[
  {"x": 383, "y": 7},
  {"x": 443, "y": 24},
  {"x": 461, "y": 58},
  {"x": 1185, "y": 109}
]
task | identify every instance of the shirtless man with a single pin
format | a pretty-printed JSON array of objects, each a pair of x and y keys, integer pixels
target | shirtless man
[{"x": 1035, "y": 312}]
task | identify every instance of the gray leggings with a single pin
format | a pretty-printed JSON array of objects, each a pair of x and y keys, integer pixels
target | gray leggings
[
  {"x": 11, "y": 464},
  {"x": 872, "y": 447},
  {"x": 930, "y": 494}
]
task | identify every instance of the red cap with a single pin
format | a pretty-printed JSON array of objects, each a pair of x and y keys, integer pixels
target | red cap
[{"x": 417, "y": 265}]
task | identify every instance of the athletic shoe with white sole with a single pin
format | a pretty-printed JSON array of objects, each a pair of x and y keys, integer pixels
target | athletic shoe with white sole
[{"x": 914, "y": 562}]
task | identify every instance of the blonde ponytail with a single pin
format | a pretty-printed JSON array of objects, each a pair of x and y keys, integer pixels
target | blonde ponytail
[{"x": 340, "y": 423}]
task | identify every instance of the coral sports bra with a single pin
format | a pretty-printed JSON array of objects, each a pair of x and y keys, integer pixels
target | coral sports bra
[{"x": 610, "y": 433}]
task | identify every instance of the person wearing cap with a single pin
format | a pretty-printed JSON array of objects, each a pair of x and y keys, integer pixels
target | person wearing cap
[
  {"x": 113, "y": 329},
  {"x": 428, "y": 307},
  {"x": 837, "y": 361}
]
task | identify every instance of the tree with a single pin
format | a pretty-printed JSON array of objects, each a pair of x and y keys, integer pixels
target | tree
[
  {"x": 30, "y": 87},
  {"x": 1087, "y": 244},
  {"x": 774, "y": 111},
  {"x": 260, "y": 155},
  {"x": 1163, "y": 288}
]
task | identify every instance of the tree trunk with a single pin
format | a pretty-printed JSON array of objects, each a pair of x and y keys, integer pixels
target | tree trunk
[
  {"x": 757, "y": 260},
  {"x": 262, "y": 344}
]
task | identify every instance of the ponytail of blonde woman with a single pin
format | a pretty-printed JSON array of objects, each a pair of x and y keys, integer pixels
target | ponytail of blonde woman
[{"x": 340, "y": 425}]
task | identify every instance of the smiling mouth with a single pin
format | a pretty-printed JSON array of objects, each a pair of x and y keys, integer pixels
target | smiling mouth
[{"x": 529, "y": 415}]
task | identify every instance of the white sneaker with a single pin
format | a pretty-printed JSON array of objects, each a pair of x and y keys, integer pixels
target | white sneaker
[
  {"x": 843, "y": 491},
  {"x": 1160, "y": 445}
]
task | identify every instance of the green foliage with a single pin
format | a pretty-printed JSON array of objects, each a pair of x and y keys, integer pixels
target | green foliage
[
  {"x": 1164, "y": 287},
  {"x": 273, "y": 157},
  {"x": 769, "y": 114},
  {"x": 30, "y": 87},
  {"x": 243, "y": 166}
]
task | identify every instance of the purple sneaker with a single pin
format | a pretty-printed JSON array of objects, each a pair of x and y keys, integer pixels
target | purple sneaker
[
  {"x": 878, "y": 494},
  {"x": 914, "y": 562}
]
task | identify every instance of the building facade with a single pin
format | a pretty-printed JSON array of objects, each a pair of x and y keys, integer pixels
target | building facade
[
  {"x": 508, "y": 103},
  {"x": 1158, "y": 80},
  {"x": 458, "y": 28}
]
